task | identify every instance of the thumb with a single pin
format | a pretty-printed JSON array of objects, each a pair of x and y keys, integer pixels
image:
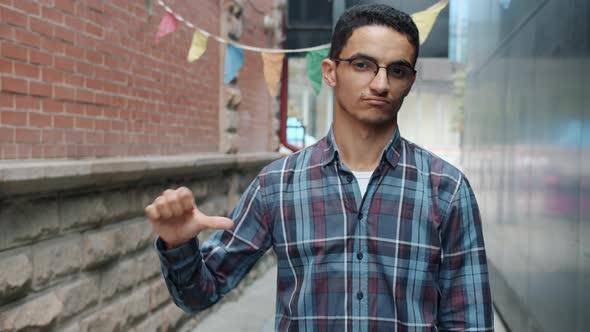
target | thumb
[{"x": 214, "y": 222}]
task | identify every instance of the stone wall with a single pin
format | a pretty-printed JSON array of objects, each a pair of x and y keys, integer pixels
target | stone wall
[{"x": 77, "y": 254}]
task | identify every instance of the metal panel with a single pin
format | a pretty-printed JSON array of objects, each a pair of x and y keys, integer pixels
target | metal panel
[{"x": 526, "y": 151}]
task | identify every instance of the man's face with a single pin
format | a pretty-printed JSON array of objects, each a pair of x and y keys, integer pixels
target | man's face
[{"x": 360, "y": 95}]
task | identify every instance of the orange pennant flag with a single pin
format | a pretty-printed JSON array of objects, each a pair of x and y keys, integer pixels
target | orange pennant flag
[
  {"x": 167, "y": 25},
  {"x": 273, "y": 65}
]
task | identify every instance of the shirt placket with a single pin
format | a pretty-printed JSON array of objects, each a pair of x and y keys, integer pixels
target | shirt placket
[{"x": 359, "y": 276}]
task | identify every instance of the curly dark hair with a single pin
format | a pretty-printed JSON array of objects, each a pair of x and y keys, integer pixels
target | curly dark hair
[{"x": 373, "y": 14}]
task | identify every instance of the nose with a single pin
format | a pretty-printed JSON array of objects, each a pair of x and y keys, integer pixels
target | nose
[{"x": 380, "y": 83}]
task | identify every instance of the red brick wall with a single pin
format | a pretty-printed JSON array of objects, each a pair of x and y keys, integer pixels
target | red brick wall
[
  {"x": 85, "y": 79},
  {"x": 255, "y": 109}
]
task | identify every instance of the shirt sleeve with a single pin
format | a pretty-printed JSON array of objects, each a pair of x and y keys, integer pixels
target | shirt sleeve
[
  {"x": 465, "y": 299},
  {"x": 198, "y": 278}
]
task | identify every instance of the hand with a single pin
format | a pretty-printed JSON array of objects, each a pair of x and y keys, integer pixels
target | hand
[{"x": 175, "y": 217}]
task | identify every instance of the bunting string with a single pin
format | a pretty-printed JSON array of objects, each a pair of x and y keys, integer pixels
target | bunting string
[{"x": 180, "y": 19}]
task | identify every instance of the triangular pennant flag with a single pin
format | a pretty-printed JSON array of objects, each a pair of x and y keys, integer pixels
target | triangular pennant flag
[
  {"x": 273, "y": 65},
  {"x": 234, "y": 59},
  {"x": 168, "y": 25},
  {"x": 148, "y": 6},
  {"x": 314, "y": 68},
  {"x": 425, "y": 19},
  {"x": 198, "y": 46}
]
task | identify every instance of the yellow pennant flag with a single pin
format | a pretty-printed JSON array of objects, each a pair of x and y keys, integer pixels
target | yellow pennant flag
[
  {"x": 198, "y": 46},
  {"x": 273, "y": 65},
  {"x": 425, "y": 19}
]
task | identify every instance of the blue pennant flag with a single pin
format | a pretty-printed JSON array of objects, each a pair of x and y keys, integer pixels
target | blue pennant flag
[{"x": 234, "y": 59}]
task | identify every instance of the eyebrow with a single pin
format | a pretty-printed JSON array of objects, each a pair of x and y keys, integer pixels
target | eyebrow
[{"x": 402, "y": 62}]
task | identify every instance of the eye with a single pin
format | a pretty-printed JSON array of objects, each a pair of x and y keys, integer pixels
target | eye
[
  {"x": 362, "y": 64},
  {"x": 398, "y": 71}
]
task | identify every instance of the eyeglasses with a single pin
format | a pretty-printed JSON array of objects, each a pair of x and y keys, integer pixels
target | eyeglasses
[{"x": 367, "y": 66}]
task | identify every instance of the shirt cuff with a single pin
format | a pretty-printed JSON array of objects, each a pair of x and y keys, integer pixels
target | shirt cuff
[{"x": 179, "y": 257}]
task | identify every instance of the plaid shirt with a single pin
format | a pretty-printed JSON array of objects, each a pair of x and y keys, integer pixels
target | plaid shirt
[{"x": 408, "y": 256}]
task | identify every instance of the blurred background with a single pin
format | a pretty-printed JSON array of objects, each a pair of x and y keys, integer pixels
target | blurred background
[{"x": 97, "y": 119}]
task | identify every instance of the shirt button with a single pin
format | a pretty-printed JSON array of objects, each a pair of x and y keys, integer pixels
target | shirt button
[
  {"x": 359, "y": 295},
  {"x": 349, "y": 178},
  {"x": 360, "y": 216},
  {"x": 359, "y": 256}
]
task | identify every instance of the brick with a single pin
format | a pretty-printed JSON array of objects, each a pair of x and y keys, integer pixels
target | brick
[
  {"x": 53, "y": 46},
  {"x": 40, "y": 58},
  {"x": 34, "y": 315},
  {"x": 52, "y": 75},
  {"x": 41, "y": 89},
  {"x": 84, "y": 96},
  {"x": 51, "y": 14},
  {"x": 27, "y": 38},
  {"x": 6, "y": 134},
  {"x": 50, "y": 105},
  {"x": 149, "y": 264},
  {"x": 84, "y": 123},
  {"x": 28, "y": 7},
  {"x": 102, "y": 246},
  {"x": 78, "y": 296},
  {"x": 39, "y": 120},
  {"x": 15, "y": 85},
  {"x": 15, "y": 276},
  {"x": 27, "y": 221},
  {"x": 13, "y": 118},
  {"x": 93, "y": 30},
  {"x": 74, "y": 137},
  {"x": 118, "y": 316},
  {"x": 28, "y": 103},
  {"x": 13, "y": 17},
  {"x": 25, "y": 135},
  {"x": 64, "y": 93},
  {"x": 158, "y": 294},
  {"x": 13, "y": 51},
  {"x": 26, "y": 71},
  {"x": 73, "y": 51},
  {"x": 65, "y": 5},
  {"x": 65, "y": 64},
  {"x": 52, "y": 136},
  {"x": 41, "y": 27},
  {"x": 9, "y": 151},
  {"x": 118, "y": 279},
  {"x": 78, "y": 212},
  {"x": 6, "y": 66},
  {"x": 56, "y": 259},
  {"x": 66, "y": 35},
  {"x": 24, "y": 151},
  {"x": 6, "y": 31}
]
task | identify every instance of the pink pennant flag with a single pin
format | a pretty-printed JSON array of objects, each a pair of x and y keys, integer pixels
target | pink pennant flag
[
  {"x": 273, "y": 65},
  {"x": 168, "y": 25}
]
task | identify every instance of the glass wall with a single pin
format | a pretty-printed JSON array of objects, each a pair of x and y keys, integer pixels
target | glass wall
[{"x": 526, "y": 152}]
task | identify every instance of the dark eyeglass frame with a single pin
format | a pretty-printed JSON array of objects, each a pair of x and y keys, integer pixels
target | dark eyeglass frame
[{"x": 399, "y": 64}]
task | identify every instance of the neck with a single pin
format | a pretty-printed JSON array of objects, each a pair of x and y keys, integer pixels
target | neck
[{"x": 361, "y": 145}]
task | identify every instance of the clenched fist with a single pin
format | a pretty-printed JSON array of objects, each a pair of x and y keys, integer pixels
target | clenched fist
[{"x": 175, "y": 217}]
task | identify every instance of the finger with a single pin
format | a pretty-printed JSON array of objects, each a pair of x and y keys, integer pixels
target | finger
[
  {"x": 173, "y": 203},
  {"x": 216, "y": 222},
  {"x": 162, "y": 206},
  {"x": 186, "y": 198},
  {"x": 152, "y": 212}
]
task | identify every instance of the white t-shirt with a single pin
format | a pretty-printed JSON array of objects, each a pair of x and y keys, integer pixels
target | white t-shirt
[{"x": 363, "y": 180}]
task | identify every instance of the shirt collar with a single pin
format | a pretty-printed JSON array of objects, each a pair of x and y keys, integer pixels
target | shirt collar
[{"x": 391, "y": 152}]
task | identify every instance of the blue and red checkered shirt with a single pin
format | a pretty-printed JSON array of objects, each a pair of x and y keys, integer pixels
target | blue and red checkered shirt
[{"x": 408, "y": 256}]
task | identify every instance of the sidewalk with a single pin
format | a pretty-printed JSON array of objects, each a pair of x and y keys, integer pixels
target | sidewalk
[{"x": 254, "y": 311}]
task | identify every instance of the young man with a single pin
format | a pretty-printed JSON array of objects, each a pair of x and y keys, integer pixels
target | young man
[{"x": 372, "y": 232}]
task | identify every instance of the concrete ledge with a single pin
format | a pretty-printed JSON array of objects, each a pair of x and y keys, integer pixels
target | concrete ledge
[{"x": 42, "y": 176}]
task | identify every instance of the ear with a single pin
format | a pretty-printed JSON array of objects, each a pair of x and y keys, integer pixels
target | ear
[
  {"x": 329, "y": 72},
  {"x": 409, "y": 88}
]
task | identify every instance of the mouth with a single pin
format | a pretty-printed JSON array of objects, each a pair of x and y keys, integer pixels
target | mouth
[{"x": 376, "y": 101}]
